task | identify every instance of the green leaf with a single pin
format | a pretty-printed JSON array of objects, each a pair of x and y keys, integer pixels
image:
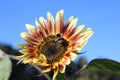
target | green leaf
[
  {"x": 5, "y": 66},
  {"x": 104, "y": 64},
  {"x": 61, "y": 76}
]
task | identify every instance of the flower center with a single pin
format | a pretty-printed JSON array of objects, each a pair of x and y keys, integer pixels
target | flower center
[{"x": 53, "y": 47}]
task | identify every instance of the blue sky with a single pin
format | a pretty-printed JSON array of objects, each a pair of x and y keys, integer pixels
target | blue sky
[{"x": 103, "y": 16}]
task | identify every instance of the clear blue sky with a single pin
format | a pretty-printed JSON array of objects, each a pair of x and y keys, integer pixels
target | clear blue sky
[{"x": 103, "y": 16}]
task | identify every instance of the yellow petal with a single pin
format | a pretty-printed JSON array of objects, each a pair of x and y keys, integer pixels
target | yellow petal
[
  {"x": 43, "y": 21},
  {"x": 35, "y": 60},
  {"x": 55, "y": 64},
  {"x": 37, "y": 23},
  {"x": 22, "y": 56},
  {"x": 59, "y": 21},
  {"x": 43, "y": 64},
  {"x": 43, "y": 27},
  {"x": 79, "y": 46},
  {"x": 30, "y": 28},
  {"x": 61, "y": 13},
  {"x": 24, "y": 35},
  {"x": 62, "y": 68},
  {"x": 87, "y": 34},
  {"x": 66, "y": 60},
  {"x": 80, "y": 42},
  {"x": 23, "y": 51},
  {"x": 26, "y": 60},
  {"x": 69, "y": 20},
  {"x": 57, "y": 25},
  {"x": 79, "y": 28},
  {"x": 21, "y": 45},
  {"x": 73, "y": 56},
  {"x": 48, "y": 69},
  {"x": 77, "y": 31},
  {"x": 51, "y": 23},
  {"x": 55, "y": 73},
  {"x": 86, "y": 31},
  {"x": 50, "y": 17},
  {"x": 71, "y": 26},
  {"x": 42, "y": 58}
]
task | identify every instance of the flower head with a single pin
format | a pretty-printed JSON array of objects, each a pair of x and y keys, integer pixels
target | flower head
[{"x": 53, "y": 44}]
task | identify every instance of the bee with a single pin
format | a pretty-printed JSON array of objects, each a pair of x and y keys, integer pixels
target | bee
[{"x": 61, "y": 40}]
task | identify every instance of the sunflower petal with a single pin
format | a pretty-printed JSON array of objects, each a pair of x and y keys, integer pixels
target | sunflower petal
[
  {"x": 62, "y": 68},
  {"x": 42, "y": 58},
  {"x": 24, "y": 51},
  {"x": 44, "y": 27},
  {"x": 70, "y": 27},
  {"x": 26, "y": 60},
  {"x": 30, "y": 28},
  {"x": 51, "y": 23},
  {"x": 46, "y": 70},
  {"x": 21, "y": 45},
  {"x": 43, "y": 22},
  {"x": 43, "y": 64},
  {"x": 59, "y": 22},
  {"x": 21, "y": 56},
  {"x": 78, "y": 48},
  {"x": 37, "y": 23},
  {"x": 55, "y": 65},
  {"x": 72, "y": 56},
  {"x": 69, "y": 21},
  {"x": 35, "y": 60},
  {"x": 76, "y": 32},
  {"x": 27, "y": 37},
  {"x": 55, "y": 73},
  {"x": 66, "y": 60},
  {"x": 24, "y": 35},
  {"x": 57, "y": 25},
  {"x": 87, "y": 34},
  {"x": 72, "y": 24}
]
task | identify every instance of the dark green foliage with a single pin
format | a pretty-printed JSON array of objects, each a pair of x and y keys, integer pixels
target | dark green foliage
[
  {"x": 98, "y": 69},
  {"x": 61, "y": 77},
  {"x": 70, "y": 70},
  {"x": 96, "y": 75},
  {"x": 104, "y": 64}
]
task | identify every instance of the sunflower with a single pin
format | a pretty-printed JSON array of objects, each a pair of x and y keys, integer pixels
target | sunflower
[{"x": 53, "y": 44}]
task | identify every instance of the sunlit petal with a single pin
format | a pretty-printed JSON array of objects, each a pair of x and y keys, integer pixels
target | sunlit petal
[
  {"x": 62, "y": 68},
  {"x": 30, "y": 28},
  {"x": 51, "y": 27},
  {"x": 23, "y": 51},
  {"x": 21, "y": 45},
  {"x": 47, "y": 69},
  {"x": 55, "y": 73}
]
